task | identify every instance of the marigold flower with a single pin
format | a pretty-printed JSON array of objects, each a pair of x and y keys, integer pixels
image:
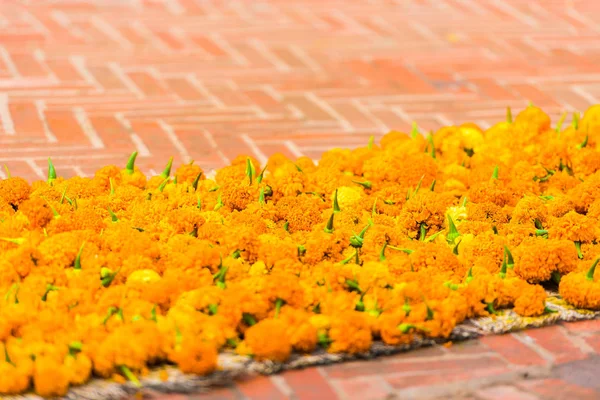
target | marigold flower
[
  {"x": 581, "y": 289},
  {"x": 195, "y": 357},
  {"x": 350, "y": 333},
  {"x": 537, "y": 258},
  {"x": 268, "y": 340}
]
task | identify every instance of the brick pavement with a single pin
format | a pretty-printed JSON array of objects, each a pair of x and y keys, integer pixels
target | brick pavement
[
  {"x": 553, "y": 363},
  {"x": 87, "y": 82}
]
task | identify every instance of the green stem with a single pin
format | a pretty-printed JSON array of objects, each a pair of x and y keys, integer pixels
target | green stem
[
  {"x": 196, "y": 180},
  {"x": 131, "y": 163},
  {"x": 49, "y": 288},
  {"x": 452, "y": 231},
  {"x": 432, "y": 186},
  {"x": 578, "y": 247},
  {"x": 219, "y": 204},
  {"x": 382, "y": 252},
  {"x": 301, "y": 250},
  {"x": 324, "y": 340},
  {"x": 504, "y": 268},
  {"x": 219, "y": 277},
  {"x": 556, "y": 277},
  {"x": 18, "y": 241},
  {"x": 113, "y": 216},
  {"x": 261, "y": 176},
  {"x": 347, "y": 260},
  {"x": 590, "y": 274},
  {"x": 329, "y": 227},
  {"x": 353, "y": 285},
  {"x": 249, "y": 319},
  {"x": 167, "y": 171},
  {"x": 77, "y": 264},
  {"x": 469, "y": 277},
  {"x": 213, "y": 309},
  {"x": 418, "y": 185},
  {"x": 407, "y": 251},
  {"x": 51, "y": 171},
  {"x": 560, "y": 122},
  {"x": 406, "y": 307},
  {"x": 414, "y": 131},
  {"x": 455, "y": 248},
  {"x": 584, "y": 143},
  {"x": 495, "y": 173},
  {"x": 250, "y": 170},
  {"x": 365, "y": 184},
  {"x": 422, "y": 231},
  {"x": 510, "y": 261},
  {"x": 541, "y": 232},
  {"x": 130, "y": 375},
  {"x": 509, "y": 117},
  {"x": 278, "y": 304},
  {"x": 75, "y": 347},
  {"x": 336, "y": 206}
]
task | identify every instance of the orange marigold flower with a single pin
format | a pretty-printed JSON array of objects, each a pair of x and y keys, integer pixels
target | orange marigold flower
[
  {"x": 350, "y": 333},
  {"x": 268, "y": 340}
]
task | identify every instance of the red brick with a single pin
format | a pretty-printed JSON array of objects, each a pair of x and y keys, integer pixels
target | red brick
[
  {"x": 373, "y": 388},
  {"x": 216, "y": 394},
  {"x": 512, "y": 350},
  {"x": 28, "y": 66},
  {"x": 260, "y": 388},
  {"x": 592, "y": 325},
  {"x": 504, "y": 392},
  {"x": 406, "y": 364},
  {"x": 553, "y": 339},
  {"x": 113, "y": 132},
  {"x": 308, "y": 384},
  {"x": 26, "y": 119},
  {"x": 65, "y": 127},
  {"x": 208, "y": 45},
  {"x": 556, "y": 389},
  {"x": 468, "y": 347},
  {"x": 147, "y": 84},
  {"x": 594, "y": 341},
  {"x": 426, "y": 378}
]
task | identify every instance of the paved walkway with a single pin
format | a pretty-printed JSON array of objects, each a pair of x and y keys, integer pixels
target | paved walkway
[
  {"x": 87, "y": 82},
  {"x": 554, "y": 363}
]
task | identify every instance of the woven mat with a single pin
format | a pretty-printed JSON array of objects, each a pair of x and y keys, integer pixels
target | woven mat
[{"x": 234, "y": 366}]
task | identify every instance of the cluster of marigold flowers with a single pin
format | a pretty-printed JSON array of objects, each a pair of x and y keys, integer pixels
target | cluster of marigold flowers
[{"x": 111, "y": 275}]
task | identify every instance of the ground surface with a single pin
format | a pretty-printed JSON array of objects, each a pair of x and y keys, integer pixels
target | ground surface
[{"x": 87, "y": 82}]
